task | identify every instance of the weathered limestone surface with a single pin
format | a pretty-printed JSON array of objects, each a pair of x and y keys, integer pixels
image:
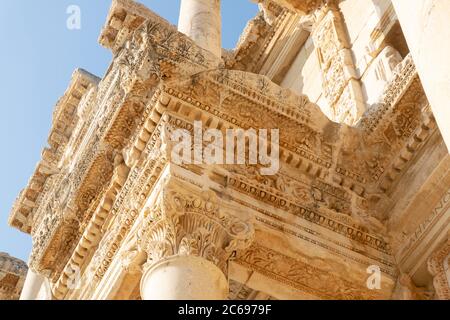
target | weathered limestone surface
[
  {"x": 200, "y": 20},
  {"x": 36, "y": 287},
  {"x": 12, "y": 276},
  {"x": 425, "y": 24},
  {"x": 363, "y": 180},
  {"x": 184, "y": 278}
]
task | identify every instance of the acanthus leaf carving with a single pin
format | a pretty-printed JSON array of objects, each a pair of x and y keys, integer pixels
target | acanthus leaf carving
[{"x": 181, "y": 224}]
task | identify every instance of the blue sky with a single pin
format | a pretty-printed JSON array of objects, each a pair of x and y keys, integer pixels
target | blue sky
[{"x": 38, "y": 56}]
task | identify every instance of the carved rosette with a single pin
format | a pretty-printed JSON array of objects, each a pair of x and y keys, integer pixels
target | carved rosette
[{"x": 182, "y": 224}]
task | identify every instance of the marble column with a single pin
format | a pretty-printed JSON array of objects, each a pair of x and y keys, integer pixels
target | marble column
[
  {"x": 201, "y": 21},
  {"x": 32, "y": 286},
  {"x": 426, "y": 26},
  {"x": 184, "y": 278},
  {"x": 188, "y": 240}
]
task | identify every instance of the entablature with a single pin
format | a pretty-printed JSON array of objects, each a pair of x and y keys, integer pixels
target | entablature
[
  {"x": 124, "y": 17},
  {"x": 64, "y": 120}
]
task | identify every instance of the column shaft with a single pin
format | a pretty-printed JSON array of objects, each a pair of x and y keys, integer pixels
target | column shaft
[
  {"x": 426, "y": 25},
  {"x": 201, "y": 21},
  {"x": 184, "y": 278},
  {"x": 32, "y": 286}
]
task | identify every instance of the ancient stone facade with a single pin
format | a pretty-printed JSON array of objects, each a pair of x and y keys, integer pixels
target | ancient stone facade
[
  {"x": 12, "y": 276},
  {"x": 362, "y": 191}
]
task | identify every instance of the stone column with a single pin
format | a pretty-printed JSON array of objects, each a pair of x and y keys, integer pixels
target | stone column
[
  {"x": 32, "y": 286},
  {"x": 184, "y": 278},
  {"x": 201, "y": 21},
  {"x": 188, "y": 242},
  {"x": 426, "y": 26}
]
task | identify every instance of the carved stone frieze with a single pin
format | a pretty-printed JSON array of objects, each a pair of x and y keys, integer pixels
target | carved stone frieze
[
  {"x": 301, "y": 275},
  {"x": 300, "y": 6},
  {"x": 12, "y": 277},
  {"x": 64, "y": 120},
  {"x": 438, "y": 265},
  {"x": 341, "y": 87}
]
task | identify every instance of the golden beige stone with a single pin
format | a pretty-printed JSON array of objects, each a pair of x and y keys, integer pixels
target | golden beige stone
[{"x": 360, "y": 205}]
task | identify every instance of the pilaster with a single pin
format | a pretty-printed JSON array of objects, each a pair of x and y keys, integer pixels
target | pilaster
[{"x": 341, "y": 86}]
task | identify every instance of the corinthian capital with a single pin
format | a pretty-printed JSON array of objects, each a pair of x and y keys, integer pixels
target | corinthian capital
[{"x": 192, "y": 225}]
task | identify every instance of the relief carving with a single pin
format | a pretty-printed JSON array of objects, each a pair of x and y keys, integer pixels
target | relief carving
[{"x": 192, "y": 225}]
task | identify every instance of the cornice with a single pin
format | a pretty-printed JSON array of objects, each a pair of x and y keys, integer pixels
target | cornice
[
  {"x": 124, "y": 17},
  {"x": 116, "y": 204},
  {"x": 64, "y": 120}
]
